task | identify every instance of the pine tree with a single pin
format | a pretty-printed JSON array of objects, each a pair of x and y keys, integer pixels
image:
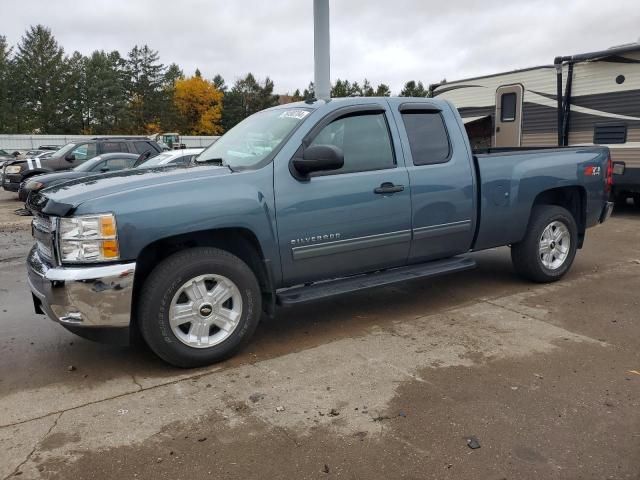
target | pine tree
[
  {"x": 218, "y": 82},
  {"x": 40, "y": 73},
  {"x": 246, "y": 97},
  {"x": 367, "y": 89},
  {"x": 144, "y": 88},
  {"x": 383, "y": 90},
  {"x": 105, "y": 97},
  {"x": 411, "y": 89},
  {"x": 309, "y": 93},
  {"x": 297, "y": 96},
  {"x": 7, "y": 117}
]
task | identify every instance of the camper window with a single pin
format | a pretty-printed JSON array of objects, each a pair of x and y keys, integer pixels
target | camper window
[
  {"x": 428, "y": 138},
  {"x": 508, "y": 107}
]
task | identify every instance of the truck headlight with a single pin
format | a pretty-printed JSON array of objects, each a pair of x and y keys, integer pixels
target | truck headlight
[
  {"x": 90, "y": 238},
  {"x": 13, "y": 169}
]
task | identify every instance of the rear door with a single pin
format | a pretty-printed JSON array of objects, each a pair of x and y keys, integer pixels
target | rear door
[
  {"x": 508, "y": 129},
  {"x": 441, "y": 177},
  {"x": 352, "y": 220}
]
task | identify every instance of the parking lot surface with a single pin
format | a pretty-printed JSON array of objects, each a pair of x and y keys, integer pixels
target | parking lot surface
[{"x": 389, "y": 383}]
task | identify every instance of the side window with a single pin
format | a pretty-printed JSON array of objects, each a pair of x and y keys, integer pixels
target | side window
[
  {"x": 119, "y": 164},
  {"x": 99, "y": 166},
  {"x": 428, "y": 137},
  {"x": 141, "y": 147},
  {"x": 84, "y": 152},
  {"x": 364, "y": 140},
  {"x": 508, "y": 107},
  {"x": 114, "y": 147}
]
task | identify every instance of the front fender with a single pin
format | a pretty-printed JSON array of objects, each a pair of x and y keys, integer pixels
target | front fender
[{"x": 239, "y": 200}]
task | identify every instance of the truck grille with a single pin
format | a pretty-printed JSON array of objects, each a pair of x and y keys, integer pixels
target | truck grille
[{"x": 43, "y": 232}]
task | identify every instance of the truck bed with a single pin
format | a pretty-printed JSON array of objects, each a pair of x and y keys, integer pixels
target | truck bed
[{"x": 510, "y": 179}]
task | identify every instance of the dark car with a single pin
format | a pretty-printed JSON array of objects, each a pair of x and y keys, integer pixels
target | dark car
[
  {"x": 109, "y": 162},
  {"x": 72, "y": 155}
]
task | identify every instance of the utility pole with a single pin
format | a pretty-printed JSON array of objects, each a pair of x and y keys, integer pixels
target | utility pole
[{"x": 321, "y": 50}]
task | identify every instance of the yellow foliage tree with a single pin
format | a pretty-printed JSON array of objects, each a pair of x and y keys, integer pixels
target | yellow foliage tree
[{"x": 199, "y": 104}]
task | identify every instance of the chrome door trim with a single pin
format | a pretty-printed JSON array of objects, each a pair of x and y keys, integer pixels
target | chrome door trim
[
  {"x": 349, "y": 245},
  {"x": 441, "y": 229}
]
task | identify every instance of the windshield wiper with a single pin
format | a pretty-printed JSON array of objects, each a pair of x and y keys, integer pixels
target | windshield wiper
[{"x": 215, "y": 161}]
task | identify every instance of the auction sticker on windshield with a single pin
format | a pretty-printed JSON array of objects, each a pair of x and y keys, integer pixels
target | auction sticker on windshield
[{"x": 298, "y": 114}]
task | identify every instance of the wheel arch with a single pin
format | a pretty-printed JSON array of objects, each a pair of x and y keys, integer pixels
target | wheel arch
[
  {"x": 241, "y": 242},
  {"x": 573, "y": 198}
]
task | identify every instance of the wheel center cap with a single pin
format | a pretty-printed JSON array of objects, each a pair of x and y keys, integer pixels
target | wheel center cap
[
  {"x": 206, "y": 309},
  {"x": 553, "y": 245}
]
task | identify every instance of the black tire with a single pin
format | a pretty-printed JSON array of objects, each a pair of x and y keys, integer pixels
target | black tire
[
  {"x": 525, "y": 255},
  {"x": 163, "y": 283},
  {"x": 636, "y": 200}
]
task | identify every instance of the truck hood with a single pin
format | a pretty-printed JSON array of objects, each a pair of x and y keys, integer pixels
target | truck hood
[
  {"x": 58, "y": 177},
  {"x": 61, "y": 199}
]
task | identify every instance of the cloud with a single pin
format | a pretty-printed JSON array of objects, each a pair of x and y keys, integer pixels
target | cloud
[{"x": 384, "y": 41}]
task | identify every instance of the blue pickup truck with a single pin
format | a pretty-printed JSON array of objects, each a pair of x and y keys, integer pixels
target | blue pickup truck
[{"x": 297, "y": 203}]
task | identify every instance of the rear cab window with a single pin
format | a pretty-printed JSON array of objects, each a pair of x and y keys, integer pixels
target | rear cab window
[{"x": 428, "y": 137}]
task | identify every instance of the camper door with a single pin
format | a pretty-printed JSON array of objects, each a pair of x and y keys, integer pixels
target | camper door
[{"x": 508, "y": 116}]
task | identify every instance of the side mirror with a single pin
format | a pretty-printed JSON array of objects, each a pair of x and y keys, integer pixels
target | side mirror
[
  {"x": 70, "y": 158},
  {"x": 104, "y": 169},
  {"x": 318, "y": 158}
]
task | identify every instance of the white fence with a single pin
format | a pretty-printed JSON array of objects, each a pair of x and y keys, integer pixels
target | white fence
[{"x": 30, "y": 142}]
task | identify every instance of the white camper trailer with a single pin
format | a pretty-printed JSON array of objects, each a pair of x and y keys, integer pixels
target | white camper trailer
[{"x": 585, "y": 99}]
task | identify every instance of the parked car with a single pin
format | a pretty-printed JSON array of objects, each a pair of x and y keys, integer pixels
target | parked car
[
  {"x": 53, "y": 148},
  {"x": 33, "y": 153},
  {"x": 172, "y": 157},
  {"x": 72, "y": 155},
  {"x": 109, "y": 162},
  {"x": 296, "y": 203},
  {"x": 5, "y": 156}
]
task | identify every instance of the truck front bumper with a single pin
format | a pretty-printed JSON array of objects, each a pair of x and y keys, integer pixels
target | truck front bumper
[
  {"x": 86, "y": 296},
  {"x": 11, "y": 183}
]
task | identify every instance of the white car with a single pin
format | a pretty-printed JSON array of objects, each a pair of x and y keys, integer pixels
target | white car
[{"x": 172, "y": 157}]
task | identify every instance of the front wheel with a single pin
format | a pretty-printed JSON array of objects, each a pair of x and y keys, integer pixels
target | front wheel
[
  {"x": 549, "y": 246},
  {"x": 199, "y": 306}
]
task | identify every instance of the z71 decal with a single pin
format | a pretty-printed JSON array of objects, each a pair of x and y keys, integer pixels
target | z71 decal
[{"x": 591, "y": 171}]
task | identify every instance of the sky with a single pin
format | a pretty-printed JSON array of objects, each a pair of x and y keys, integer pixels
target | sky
[{"x": 384, "y": 41}]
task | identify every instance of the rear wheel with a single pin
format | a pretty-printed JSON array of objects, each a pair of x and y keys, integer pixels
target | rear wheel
[
  {"x": 199, "y": 306},
  {"x": 549, "y": 247}
]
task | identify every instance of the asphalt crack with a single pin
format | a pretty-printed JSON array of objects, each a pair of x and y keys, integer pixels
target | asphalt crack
[
  {"x": 114, "y": 397},
  {"x": 35, "y": 447}
]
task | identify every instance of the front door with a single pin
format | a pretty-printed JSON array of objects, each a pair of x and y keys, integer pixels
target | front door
[
  {"x": 508, "y": 116},
  {"x": 352, "y": 220}
]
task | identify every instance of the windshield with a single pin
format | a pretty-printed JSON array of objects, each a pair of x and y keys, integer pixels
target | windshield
[
  {"x": 253, "y": 139},
  {"x": 64, "y": 150}
]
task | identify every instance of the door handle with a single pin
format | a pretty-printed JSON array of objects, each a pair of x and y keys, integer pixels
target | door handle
[{"x": 388, "y": 187}]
